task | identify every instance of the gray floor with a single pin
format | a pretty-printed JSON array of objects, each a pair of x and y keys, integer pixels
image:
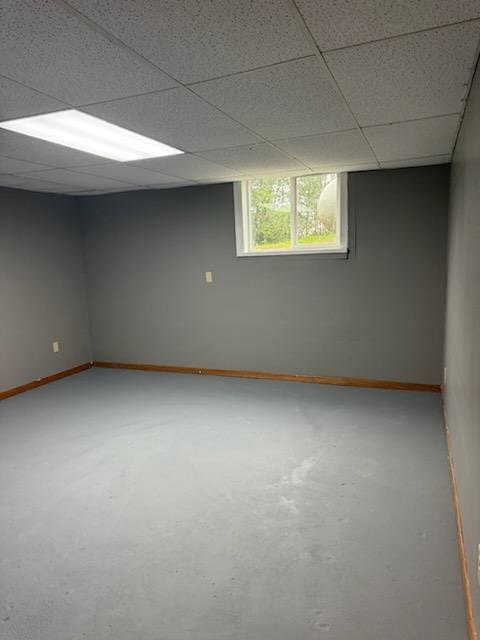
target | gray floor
[{"x": 145, "y": 506}]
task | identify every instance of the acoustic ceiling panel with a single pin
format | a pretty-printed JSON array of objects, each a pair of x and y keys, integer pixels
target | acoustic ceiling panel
[
  {"x": 20, "y": 147},
  {"x": 415, "y": 139},
  {"x": 416, "y": 76},
  {"x": 47, "y": 47},
  {"x": 194, "y": 40},
  {"x": 127, "y": 172},
  {"x": 252, "y": 159},
  {"x": 284, "y": 101},
  {"x": 11, "y": 165},
  {"x": 415, "y": 162},
  {"x": 341, "y": 23},
  {"x": 340, "y": 148},
  {"x": 30, "y": 184},
  {"x": 99, "y": 192},
  {"x": 74, "y": 179},
  {"x": 177, "y": 117},
  {"x": 16, "y": 101},
  {"x": 187, "y": 166}
]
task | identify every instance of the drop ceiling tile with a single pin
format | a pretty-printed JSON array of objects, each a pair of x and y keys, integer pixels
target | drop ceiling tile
[
  {"x": 194, "y": 40},
  {"x": 186, "y": 166},
  {"x": 414, "y": 139},
  {"x": 100, "y": 192},
  {"x": 20, "y": 147},
  {"x": 124, "y": 171},
  {"x": 416, "y": 162},
  {"x": 44, "y": 186},
  {"x": 45, "y": 46},
  {"x": 30, "y": 183},
  {"x": 17, "y": 101},
  {"x": 254, "y": 159},
  {"x": 338, "y": 23},
  {"x": 8, "y": 180},
  {"x": 176, "y": 117},
  {"x": 219, "y": 180},
  {"x": 420, "y": 75},
  {"x": 340, "y": 148},
  {"x": 11, "y": 165},
  {"x": 74, "y": 179},
  {"x": 176, "y": 185},
  {"x": 348, "y": 168},
  {"x": 154, "y": 187},
  {"x": 292, "y": 99}
]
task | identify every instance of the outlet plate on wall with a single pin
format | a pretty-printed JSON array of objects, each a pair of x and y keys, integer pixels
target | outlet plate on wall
[{"x": 56, "y": 346}]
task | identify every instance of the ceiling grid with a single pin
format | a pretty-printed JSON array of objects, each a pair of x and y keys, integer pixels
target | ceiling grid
[{"x": 295, "y": 86}]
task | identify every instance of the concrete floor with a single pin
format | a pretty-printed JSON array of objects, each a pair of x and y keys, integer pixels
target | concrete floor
[{"x": 145, "y": 506}]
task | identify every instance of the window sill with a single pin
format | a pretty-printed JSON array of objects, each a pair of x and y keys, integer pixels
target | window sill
[{"x": 332, "y": 253}]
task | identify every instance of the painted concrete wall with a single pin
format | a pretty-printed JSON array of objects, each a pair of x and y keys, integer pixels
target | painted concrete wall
[
  {"x": 379, "y": 314},
  {"x": 42, "y": 286},
  {"x": 462, "y": 352}
]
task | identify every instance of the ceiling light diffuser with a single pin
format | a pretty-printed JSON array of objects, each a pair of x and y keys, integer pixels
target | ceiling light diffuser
[{"x": 78, "y": 130}]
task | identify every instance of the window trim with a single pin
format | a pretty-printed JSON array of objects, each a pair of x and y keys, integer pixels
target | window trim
[{"x": 243, "y": 231}]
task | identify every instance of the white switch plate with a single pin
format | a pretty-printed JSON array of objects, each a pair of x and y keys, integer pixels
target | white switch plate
[
  {"x": 444, "y": 375},
  {"x": 56, "y": 346},
  {"x": 208, "y": 276}
]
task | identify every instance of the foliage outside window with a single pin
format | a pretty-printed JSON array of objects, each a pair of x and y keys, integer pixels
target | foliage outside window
[{"x": 305, "y": 214}]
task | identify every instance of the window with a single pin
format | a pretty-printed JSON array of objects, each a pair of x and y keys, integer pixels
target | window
[{"x": 304, "y": 214}]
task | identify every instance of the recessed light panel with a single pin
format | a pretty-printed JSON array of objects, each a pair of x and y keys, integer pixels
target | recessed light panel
[{"x": 84, "y": 132}]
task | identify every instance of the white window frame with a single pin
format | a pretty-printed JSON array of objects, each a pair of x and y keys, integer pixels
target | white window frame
[{"x": 243, "y": 228}]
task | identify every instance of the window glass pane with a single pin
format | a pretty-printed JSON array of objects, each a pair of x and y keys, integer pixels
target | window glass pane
[
  {"x": 317, "y": 209},
  {"x": 270, "y": 210}
]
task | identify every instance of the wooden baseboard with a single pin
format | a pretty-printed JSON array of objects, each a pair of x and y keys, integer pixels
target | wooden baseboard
[
  {"x": 472, "y": 633},
  {"x": 269, "y": 375},
  {"x": 229, "y": 373},
  {"x": 41, "y": 381}
]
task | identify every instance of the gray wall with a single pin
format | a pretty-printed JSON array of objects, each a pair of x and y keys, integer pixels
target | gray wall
[
  {"x": 462, "y": 352},
  {"x": 42, "y": 286},
  {"x": 379, "y": 314}
]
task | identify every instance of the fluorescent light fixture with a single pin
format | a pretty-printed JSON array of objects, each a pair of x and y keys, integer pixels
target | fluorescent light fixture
[{"x": 84, "y": 132}]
